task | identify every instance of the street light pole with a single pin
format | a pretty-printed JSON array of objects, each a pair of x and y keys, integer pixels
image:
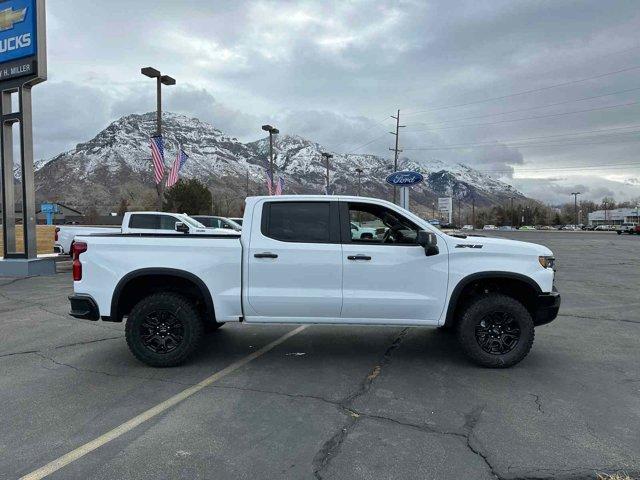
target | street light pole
[
  {"x": 575, "y": 207},
  {"x": 272, "y": 131},
  {"x": 160, "y": 80},
  {"x": 359, "y": 172},
  {"x": 327, "y": 157}
]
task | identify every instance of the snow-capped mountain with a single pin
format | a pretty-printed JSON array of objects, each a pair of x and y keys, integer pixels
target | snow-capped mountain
[{"x": 116, "y": 164}]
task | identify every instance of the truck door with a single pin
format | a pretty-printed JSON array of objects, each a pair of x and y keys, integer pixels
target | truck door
[
  {"x": 387, "y": 277},
  {"x": 294, "y": 262}
]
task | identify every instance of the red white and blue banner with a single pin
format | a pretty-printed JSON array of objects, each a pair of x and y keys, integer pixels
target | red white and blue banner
[
  {"x": 181, "y": 159},
  {"x": 157, "y": 156}
]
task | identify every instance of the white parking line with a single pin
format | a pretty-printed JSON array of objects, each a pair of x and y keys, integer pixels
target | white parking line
[{"x": 81, "y": 451}]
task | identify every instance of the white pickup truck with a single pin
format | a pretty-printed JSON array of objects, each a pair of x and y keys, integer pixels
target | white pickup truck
[
  {"x": 298, "y": 261},
  {"x": 132, "y": 222}
]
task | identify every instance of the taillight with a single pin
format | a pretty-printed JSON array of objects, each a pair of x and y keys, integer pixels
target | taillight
[
  {"x": 78, "y": 248},
  {"x": 56, "y": 236}
]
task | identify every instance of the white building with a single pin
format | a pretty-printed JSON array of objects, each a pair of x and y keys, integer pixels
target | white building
[{"x": 616, "y": 216}]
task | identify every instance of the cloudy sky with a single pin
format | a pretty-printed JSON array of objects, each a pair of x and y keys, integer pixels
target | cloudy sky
[{"x": 544, "y": 94}]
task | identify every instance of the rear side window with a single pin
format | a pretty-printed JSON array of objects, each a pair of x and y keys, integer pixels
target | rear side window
[
  {"x": 209, "y": 222},
  {"x": 145, "y": 221},
  {"x": 304, "y": 222}
]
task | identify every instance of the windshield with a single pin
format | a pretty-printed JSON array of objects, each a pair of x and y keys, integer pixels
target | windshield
[{"x": 190, "y": 221}]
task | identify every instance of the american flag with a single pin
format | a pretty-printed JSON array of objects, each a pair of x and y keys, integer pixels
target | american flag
[
  {"x": 279, "y": 186},
  {"x": 269, "y": 183},
  {"x": 157, "y": 155},
  {"x": 181, "y": 159}
]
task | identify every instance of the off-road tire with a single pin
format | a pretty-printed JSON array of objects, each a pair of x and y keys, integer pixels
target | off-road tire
[
  {"x": 472, "y": 317},
  {"x": 183, "y": 310}
]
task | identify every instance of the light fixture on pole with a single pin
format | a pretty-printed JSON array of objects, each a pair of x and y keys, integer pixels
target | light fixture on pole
[
  {"x": 575, "y": 208},
  {"x": 160, "y": 80},
  {"x": 327, "y": 157},
  {"x": 272, "y": 131},
  {"x": 359, "y": 172}
]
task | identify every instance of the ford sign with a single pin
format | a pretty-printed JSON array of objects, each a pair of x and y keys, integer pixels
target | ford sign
[{"x": 404, "y": 179}]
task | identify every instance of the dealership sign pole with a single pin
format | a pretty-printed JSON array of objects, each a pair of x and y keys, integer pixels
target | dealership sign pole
[
  {"x": 404, "y": 180},
  {"x": 23, "y": 64}
]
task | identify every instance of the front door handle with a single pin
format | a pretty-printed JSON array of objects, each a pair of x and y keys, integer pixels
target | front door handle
[
  {"x": 265, "y": 255},
  {"x": 358, "y": 257}
]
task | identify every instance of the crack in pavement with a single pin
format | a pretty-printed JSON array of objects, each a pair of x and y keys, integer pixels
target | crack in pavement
[
  {"x": 624, "y": 320},
  {"x": 332, "y": 446},
  {"x": 538, "y": 402},
  {"x": 26, "y": 352}
]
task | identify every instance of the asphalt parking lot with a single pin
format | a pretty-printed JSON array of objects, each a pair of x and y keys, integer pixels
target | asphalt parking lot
[{"x": 333, "y": 402}]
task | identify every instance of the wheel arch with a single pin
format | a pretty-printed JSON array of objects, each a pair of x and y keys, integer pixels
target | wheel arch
[
  {"x": 521, "y": 287},
  {"x": 139, "y": 283}
]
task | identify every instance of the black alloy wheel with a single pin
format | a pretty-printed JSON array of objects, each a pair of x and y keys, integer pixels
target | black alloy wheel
[
  {"x": 498, "y": 333},
  {"x": 161, "y": 331}
]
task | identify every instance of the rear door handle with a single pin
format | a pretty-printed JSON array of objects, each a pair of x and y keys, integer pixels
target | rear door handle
[
  {"x": 358, "y": 257},
  {"x": 265, "y": 255}
]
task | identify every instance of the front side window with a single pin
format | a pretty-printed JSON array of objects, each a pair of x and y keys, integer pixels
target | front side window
[
  {"x": 168, "y": 222},
  {"x": 305, "y": 222},
  {"x": 375, "y": 224}
]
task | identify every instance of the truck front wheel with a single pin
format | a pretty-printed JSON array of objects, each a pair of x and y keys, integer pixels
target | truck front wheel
[
  {"x": 496, "y": 331},
  {"x": 164, "y": 329}
]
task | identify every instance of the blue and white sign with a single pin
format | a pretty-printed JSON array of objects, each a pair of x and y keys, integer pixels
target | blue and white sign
[
  {"x": 404, "y": 179},
  {"x": 18, "y": 30}
]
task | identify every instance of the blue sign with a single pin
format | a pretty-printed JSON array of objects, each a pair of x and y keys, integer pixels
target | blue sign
[
  {"x": 18, "y": 30},
  {"x": 404, "y": 179}
]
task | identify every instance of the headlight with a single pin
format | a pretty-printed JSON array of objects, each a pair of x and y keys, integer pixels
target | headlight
[{"x": 547, "y": 262}]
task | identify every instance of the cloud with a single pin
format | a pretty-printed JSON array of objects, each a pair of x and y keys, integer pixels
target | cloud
[{"x": 334, "y": 72}]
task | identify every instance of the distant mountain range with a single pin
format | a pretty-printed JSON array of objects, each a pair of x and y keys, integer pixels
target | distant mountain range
[{"x": 116, "y": 164}]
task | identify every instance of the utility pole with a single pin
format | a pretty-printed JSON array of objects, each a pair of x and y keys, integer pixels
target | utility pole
[
  {"x": 396, "y": 150},
  {"x": 327, "y": 157},
  {"x": 247, "y": 184},
  {"x": 272, "y": 131},
  {"x": 512, "y": 220},
  {"x": 359, "y": 172},
  {"x": 160, "y": 80},
  {"x": 575, "y": 207},
  {"x": 433, "y": 210},
  {"x": 473, "y": 211}
]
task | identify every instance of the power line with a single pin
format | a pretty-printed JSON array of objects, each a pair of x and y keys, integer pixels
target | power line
[
  {"x": 498, "y": 142},
  {"x": 525, "y": 92},
  {"x": 530, "y": 108},
  {"x": 557, "y": 142},
  {"x": 396, "y": 150},
  {"x": 528, "y": 118},
  {"x": 573, "y": 167}
]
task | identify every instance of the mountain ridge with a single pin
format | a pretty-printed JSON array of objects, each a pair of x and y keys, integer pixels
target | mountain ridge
[{"x": 116, "y": 164}]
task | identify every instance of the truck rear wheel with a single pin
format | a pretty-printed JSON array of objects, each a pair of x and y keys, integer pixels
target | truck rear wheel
[
  {"x": 164, "y": 329},
  {"x": 496, "y": 331}
]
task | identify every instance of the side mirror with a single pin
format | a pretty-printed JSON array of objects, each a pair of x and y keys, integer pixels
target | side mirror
[
  {"x": 429, "y": 241},
  {"x": 182, "y": 228}
]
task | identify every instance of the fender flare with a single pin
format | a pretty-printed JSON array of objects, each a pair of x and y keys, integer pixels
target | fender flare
[
  {"x": 457, "y": 291},
  {"x": 204, "y": 290}
]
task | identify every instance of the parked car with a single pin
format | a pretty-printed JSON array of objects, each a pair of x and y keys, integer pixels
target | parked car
[
  {"x": 467, "y": 227},
  {"x": 363, "y": 233},
  {"x": 132, "y": 222},
  {"x": 605, "y": 228},
  {"x": 527, "y": 228},
  {"x": 506, "y": 228},
  {"x": 295, "y": 262},
  {"x": 489, "y": 227},
  {"x": 211, "y": 221},
  {"x": 627, "y": 227}
]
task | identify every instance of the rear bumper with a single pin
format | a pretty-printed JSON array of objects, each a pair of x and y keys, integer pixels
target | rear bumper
[
  {"x": 84, "y": 306},
  {"x": 547, "y": 308}
]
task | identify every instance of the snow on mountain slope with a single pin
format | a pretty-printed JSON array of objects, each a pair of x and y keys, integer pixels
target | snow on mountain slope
[{"x": 117, "y": 164}]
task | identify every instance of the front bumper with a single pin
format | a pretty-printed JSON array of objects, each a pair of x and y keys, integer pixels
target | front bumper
[
  {"x": 547, "y": 308},
  {"x": 84, "y": 306}
]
